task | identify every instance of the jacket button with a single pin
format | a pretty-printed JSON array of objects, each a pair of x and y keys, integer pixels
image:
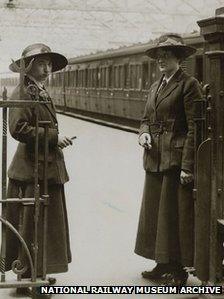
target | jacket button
[{"x": 56, "y": 125}]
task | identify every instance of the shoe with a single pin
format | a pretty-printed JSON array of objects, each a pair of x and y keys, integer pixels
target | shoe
[
  {"x": 37, "y": 295},
  {"x": 23, "y": 292},
  {"x": 178, "y": 278},
  {"x": 52, "y": 280},
  {"x": 158, "y": 272}
]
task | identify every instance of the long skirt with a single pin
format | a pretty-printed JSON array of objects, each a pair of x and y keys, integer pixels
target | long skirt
[
  {"x": 166, "y": 224},
  {"x": 22, "y": 218}
]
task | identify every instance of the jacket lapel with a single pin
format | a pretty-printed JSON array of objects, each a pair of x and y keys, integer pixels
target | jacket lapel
[
  {"x": 50, "y": 107},
  {"x": 43, "y": 96},
  {"x": 172, "y": 84},
  {"x": 153, "y": 95}
]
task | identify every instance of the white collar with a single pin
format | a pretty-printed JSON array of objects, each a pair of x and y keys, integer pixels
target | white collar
[
  {"x": 39, "y": 84},
  {"x": 168, "y": 79}
]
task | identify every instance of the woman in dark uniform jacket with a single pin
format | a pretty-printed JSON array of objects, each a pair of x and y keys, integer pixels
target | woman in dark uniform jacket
[
  {"x": 21, "y": 171},
  {"x": 166, "y": 224}
]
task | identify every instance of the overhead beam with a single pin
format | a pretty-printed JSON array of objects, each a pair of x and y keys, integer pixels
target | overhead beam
[{"x": 105, "y": 10}]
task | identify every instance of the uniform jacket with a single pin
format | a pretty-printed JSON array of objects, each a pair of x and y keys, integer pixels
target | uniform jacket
[
  {"x": 169, "y": 120},
  {"x": 22, "y": 128}
]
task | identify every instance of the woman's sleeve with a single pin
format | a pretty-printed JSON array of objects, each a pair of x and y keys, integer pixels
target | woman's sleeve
[
  {"x": 22, "y": 128},
  {"x": 144, "y": 128},
  {"x": 192, "y": 92}
]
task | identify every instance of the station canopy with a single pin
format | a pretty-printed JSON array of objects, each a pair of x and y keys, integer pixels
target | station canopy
[{"x": 79, "y": 27}]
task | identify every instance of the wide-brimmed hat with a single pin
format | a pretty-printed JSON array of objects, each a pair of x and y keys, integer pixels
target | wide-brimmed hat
[
  {"x": 173, "y": 42},
  {"x": 38, "y": 50}
]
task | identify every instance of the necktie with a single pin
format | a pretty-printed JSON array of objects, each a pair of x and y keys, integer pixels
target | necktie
[
  {"x": 160, "y": 89},
  {"x": 162, "y": 86}
]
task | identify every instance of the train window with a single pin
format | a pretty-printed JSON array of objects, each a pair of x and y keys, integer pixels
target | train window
[
  {"x": 103, "y": 80},
  {"x": 122, "y": 77},
  {"x": 125, "y": 75},
  {"x": 72, "y": 78},
  {"x": 152, "y": 72},
  {"x": 82, "y": 78},
  {"x": 101, "y": 77},
  {"x": 86, "y": 78},
  {"x": 52, "y": 79},
  {"x": 66, "y": 78},
  {"x": 115, "y": 77},
  {"x": 139, "y": 76},
  {"x": 69, "y": 75},
  {"x": 61, "y": 78},
  {"x": 56, "y": 80},
  {"x": 95, "y": 77},
  {"x": 135, "y": 76},
  {"x": 89, "y": 77},
  {"x": 105, "y": 77},
  {"x": 75, "y": 78},
  {"x": 80, "y": 75},
  {"x": 132, "y": 74},
  {"x": 109, "y": 77},
  {"x": 145, "y": 75},
  {"x": 55, "y": 77},
  {"x": 118, "y": 76}
]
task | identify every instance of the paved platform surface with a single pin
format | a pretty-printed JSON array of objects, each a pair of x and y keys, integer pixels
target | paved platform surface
[{"x": 103, "y": 201}]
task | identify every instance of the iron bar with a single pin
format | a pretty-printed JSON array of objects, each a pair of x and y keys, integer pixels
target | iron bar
[
  {"x": 23, "y": 200},
  {"x": 46, "y": 198},
  {"x": 24, "y": 283},
  {"x": 36, "y": 193},
  {"x": 19, "y": 104},
  {"x": 4, "y": 184},
  {"x": 12, "y": 228}
]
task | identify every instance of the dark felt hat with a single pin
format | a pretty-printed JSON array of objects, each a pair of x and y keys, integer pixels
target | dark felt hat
[
  {"x": 173, "y": 42},
  {"x": 40, "y": 50}
]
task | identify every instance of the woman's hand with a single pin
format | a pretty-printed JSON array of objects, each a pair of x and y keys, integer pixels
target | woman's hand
[
  {"x": 145, "y": 140},
  {"x": 64, "y": 141},
  {"x": 186, "y": 177}
]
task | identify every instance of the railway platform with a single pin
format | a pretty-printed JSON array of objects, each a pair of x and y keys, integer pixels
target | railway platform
[{"x": 103, "y": 201}]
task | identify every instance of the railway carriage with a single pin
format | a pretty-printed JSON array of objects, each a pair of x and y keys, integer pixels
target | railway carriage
[{"x": 113, "y": 85}]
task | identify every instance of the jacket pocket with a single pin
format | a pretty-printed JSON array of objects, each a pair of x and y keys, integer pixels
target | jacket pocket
[{"x": 179, "y": 142}]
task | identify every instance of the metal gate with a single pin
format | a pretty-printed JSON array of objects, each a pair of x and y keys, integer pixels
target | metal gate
[
  {"x": 39, "y": 199},
  {"x": 209, "y": 187}
]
